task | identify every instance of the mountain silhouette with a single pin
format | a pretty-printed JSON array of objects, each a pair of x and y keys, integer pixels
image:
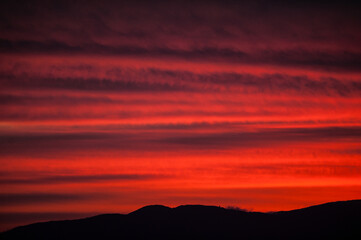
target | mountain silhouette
[{"x": 335, "y": 220}]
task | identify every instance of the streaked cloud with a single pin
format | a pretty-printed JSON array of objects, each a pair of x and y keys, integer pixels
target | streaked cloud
[{"x": 108, "y": 106}]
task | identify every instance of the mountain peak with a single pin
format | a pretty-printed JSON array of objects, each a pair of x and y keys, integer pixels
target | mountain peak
[{"x": 151, "y": 209}]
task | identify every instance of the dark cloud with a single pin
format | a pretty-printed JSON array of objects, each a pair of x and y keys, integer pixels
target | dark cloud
[
  {"x": 322, "y": 36},
  {"x": 59, "y": 179},
  {"x": 297, "y": 169},
  {"x": 37, "y": 198},
  {"x": 267, "y": 137},
  {"x": 89, "y": 84},
  {"x": 28, "y": 99},
  {"x": 48, "y": 145},
  {"x": 21, "y": 115},
  {"x": 329, "y": 60},
  {"x": 156, "y": 80},
  {"x": 45, "y": 144}
]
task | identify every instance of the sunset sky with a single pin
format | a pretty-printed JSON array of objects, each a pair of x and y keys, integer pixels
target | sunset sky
[{"x": 107, "y": 106}]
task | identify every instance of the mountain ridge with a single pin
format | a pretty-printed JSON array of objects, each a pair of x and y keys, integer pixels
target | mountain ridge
[{"x": 329, "y": 220}]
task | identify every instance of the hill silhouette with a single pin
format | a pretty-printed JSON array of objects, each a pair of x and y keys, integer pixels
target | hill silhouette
[{"x": 336, "y": 220}]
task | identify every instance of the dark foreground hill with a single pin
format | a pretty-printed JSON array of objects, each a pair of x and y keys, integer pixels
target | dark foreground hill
[{"x": 336, "y": 220}]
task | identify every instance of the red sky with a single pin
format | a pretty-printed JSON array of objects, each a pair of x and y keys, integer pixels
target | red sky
[{"x": 107, "y": 107}]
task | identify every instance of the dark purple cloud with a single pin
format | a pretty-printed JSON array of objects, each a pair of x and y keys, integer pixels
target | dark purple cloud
[
  {"x": 59, "y": 179},
  {"x": 40, "y": 145},
  {"x": 324, "y": 60},
  {"x": 8, "y": 199},
  {"x": 266, "y": 137},
  {"x": 156, "y": 80},
  {"x": 247, "y": 32}
]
